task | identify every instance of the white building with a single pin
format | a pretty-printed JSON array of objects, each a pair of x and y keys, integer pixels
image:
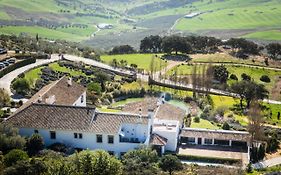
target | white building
[{"x": 83, "y": 127}]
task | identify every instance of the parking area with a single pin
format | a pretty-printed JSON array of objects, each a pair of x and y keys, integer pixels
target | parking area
[{"x": 214, "y": 151}]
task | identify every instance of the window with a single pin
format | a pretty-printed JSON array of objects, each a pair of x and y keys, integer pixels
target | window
[
  {"x": 191, "y": 139},
  {"x": 78, "y": 135},
  {"x": 99, "y": 138},
  {"x": 111, "y": 139},
  {"x": 36, "y": 131},
  {"x": 111, "y": 153},
  {"x": 52, "y": 134},
  {"x": 208, "y": 141}
]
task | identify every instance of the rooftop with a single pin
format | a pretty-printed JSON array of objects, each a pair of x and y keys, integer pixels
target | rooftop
[
  {"x": 145, "y": 105},
  {"x": 217, "y": 134},
  {"x": 156, "y": 139},
  {"x": 60, "y": 117}
]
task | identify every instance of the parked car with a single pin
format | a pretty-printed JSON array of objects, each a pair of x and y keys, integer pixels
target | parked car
[
  {"x": 2, "y": 65},
  {"x": 6, "y": 63},
  {"x": 3, "y": 51},
  {"x": 11, "y": 60}
]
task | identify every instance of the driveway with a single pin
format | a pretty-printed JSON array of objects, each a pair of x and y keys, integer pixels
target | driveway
[
  {"x": 5, "y": 82},
  {"x": 268, "y": 163}
]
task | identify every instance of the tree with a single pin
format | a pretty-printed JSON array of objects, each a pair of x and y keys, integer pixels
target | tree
[
  {"x": 261, "y": 152},
  {"x": 175, "y": 44},
  {"x": 170, "y": 163},
  {"x": 21, "y": 86},
  {"x": 10, "y": 139},
  {"x": 274, "y": 50},
  {"x": 13, "y": 156},
  {"x": 32, "y": 167},
  {"x": 245, "y": 77},
  {"x": 225, "y": 126},
  {"x": 278, "y": 115},
  {"x": 102, "y": 77},
  {"x": 123, "y": 49},
  {"x": 249, "y": 90},
  {"x": 142, "y": 161},
  {"x": 94, "y": 87},
  {"x": 4, "y": 98},
  {"x": 97, "y": 162},
  {"x": 34, "y": 144},
  {"x": 220, "y": 73},
  {"x": 256, "y": 120},
  {"x": 151, "y": 44}
]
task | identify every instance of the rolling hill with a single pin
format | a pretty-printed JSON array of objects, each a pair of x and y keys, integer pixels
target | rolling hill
[{"x": 134, "y": 19}]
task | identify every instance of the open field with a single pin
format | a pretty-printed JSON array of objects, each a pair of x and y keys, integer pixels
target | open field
[
  {"x": 142, "y": 60},
  {"x": 273, "y": 35}
]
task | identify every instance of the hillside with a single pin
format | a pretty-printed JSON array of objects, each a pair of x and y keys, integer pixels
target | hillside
[{"x": 132, "y": 20}]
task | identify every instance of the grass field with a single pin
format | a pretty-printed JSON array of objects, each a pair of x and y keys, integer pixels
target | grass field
[
  {"x": 70, "y": 34},
  {"x": 234, "y": 15},
  {"x": 142, "y": 60},
  {"x": 267, "y": 35},
  {"x": 203, "y": 124}
]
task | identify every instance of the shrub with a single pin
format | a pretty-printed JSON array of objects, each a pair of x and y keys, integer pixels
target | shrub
[
  {"x": 58, "y": 147},
  {"x": 225, "y": 126},
  {"x": 246, "y": 77},
  {"x": 265, "y": 78},
  {"x": 196, "y": 119},
  {"x": 34, "y": 144},
  {"x": 203, "y": 116},
  {"x": 233, "y": 77},
  {"x": 16, "y": 66},
  {"x": 21, "y": 86},
  {"x": 15, "y": 155}
]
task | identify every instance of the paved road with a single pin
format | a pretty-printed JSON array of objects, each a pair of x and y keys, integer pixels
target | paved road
[
  {"x": 5, "y": 82},
  {"x": 268, "y": 163}
]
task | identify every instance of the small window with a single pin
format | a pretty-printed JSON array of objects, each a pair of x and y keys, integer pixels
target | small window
[
  {"x": 80, "y": 135},
  {"x": 52, "y": 134},
  {"x": 111, "y": 153},
  {"x": 75, "y": 135},
  {"x": 208, "y": 141},
  {"x": 99, "y": 138},
  {"x": 111, "y": 139},
  {"x": 36, "y": 131}
]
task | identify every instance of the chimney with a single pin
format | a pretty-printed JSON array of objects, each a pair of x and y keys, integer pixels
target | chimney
[
  {"x": 69, "y": 81},
  {"x": 40, "y": 99},
  {"x": 140, "y": 116},
  {"x": 51, "y": 99}
]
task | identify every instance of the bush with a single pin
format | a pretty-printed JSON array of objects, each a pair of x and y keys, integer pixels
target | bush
[
  {"x": 225, "y": 126},
  {"x": 196, "y": 119},
  {"x": 34, "y": 144},
  {"x": 203, "y": 116},
  {"x": 13, "y": 156},
  {"x": 246, "y": 77},
  {"x": 233, "y": 77},
  {"x": 58, "y": 147},
  {"x": 209, "y": 159},
  {"x": 265, "y": 78},
  {"x": 21, "y": 86}
]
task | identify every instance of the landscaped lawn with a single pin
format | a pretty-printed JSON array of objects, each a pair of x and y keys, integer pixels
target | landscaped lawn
[
  {"x": 105, "y": 109},
  {"x": 203, "y": 124},
  {"x": 32, "y": 75},
  {"x": 223, "y": 101},
  {"x": 142, "y": 60}
]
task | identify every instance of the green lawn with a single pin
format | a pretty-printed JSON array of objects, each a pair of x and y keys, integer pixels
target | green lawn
[
  {"x": 71, "y": 34},
  {"x": 4, "y": 15},
  {"x": 231, "y": 14},
  {"x": 142, "y": 60},
  {"x": 32, "y": 75},
  {"x": 203, "y": 124},
  {"x": 266, "y": 35},
  {"x": 223, "y": 101}
]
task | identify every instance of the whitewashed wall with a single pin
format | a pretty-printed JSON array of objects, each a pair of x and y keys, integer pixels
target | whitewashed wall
[
  {"x": 79, "y": 102},
  {"x": 87, "y": 142}
]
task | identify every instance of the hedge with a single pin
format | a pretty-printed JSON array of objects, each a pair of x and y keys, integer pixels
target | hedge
[
  {"x": 16, "y": 66},
  {"x": 209, "y": 159}
]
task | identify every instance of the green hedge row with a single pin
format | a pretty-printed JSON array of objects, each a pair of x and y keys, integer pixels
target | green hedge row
[
  {"x": 209, "y": 159},
  {"x": 16, "y": 66}
]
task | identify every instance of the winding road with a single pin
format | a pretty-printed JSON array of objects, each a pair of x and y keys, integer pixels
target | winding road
[{"x": 5, "y": 82}]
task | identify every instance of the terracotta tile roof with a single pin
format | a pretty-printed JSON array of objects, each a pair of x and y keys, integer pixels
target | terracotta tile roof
[
  {"x": 216, "y": 134},
  {"x": 64, "y": 94},
  {"x": 58, "y": 117},
  {"x": 156, "y": 139},
  {"x": 144, "y": 105},
  {"x": 169, "y": 112}
]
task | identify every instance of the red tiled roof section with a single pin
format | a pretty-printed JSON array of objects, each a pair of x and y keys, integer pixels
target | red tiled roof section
[
  {"x": 156, "y": 139},
  {"x": 144, "y": 105},
  {"x": 71, "y": 118},
  {"x": 169, "y": 112},
  {"x": 64, "y": 93}
]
